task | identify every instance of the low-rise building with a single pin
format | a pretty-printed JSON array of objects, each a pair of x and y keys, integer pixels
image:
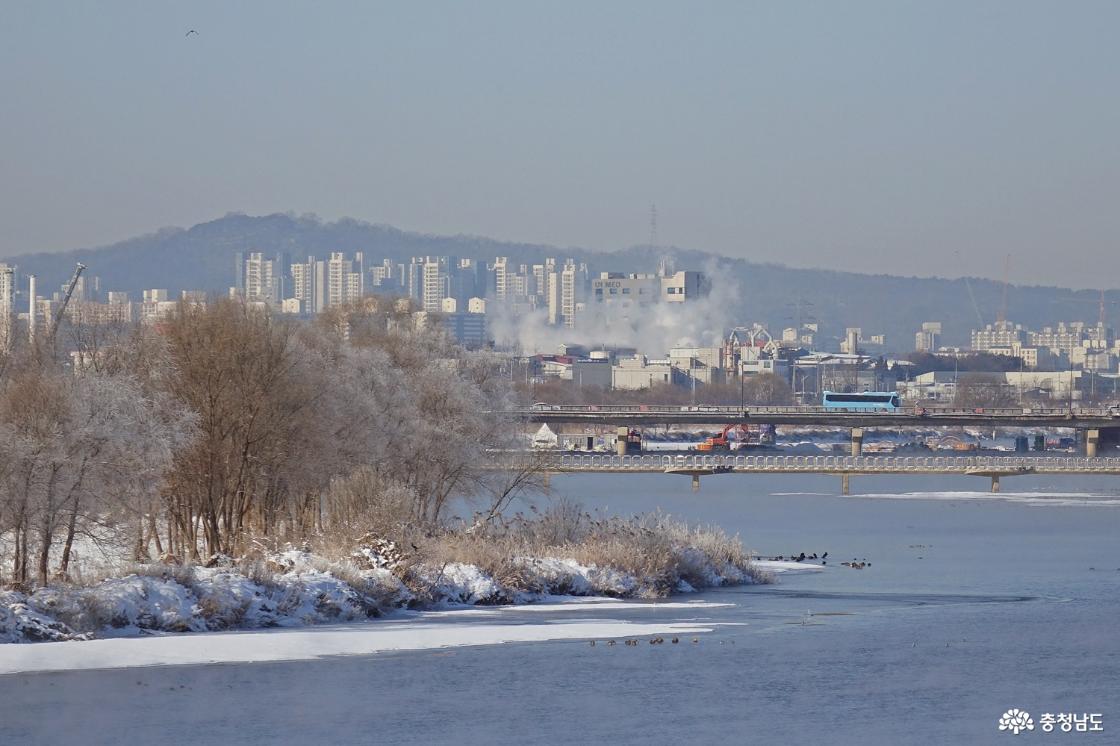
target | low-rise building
[
  {"x": 929, "y": 338},
  {"x": 1032, "y": 357},
  {"x": 639, "y": 372},
  {"x": 592, "y": 372},
  {"x": 780, "y": 368},
  {"x": 684, "y": 286},
  {"x": 939, "y": 386}
]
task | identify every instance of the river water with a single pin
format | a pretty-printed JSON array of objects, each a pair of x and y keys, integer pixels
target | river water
[{"x": 971, "y": 605}]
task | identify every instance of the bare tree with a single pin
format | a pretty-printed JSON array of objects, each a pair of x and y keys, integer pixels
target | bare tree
[
  {"x": 240, "y": 370},
  {"x": 978, "y": 390},
  {"x": 767, "y": 389}
]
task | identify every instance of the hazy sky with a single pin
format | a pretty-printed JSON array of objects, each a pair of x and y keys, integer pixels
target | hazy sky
[{"x": 915, "y": 138}]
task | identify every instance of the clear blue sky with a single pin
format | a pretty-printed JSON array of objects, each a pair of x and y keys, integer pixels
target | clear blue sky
[{"x": 915, "y": 138}]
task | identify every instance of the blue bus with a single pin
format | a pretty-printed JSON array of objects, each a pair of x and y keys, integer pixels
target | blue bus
[{"x": 880, "y": 401}]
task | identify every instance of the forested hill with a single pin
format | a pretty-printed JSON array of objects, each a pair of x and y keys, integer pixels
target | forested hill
[{"x": 202, "y": 258}]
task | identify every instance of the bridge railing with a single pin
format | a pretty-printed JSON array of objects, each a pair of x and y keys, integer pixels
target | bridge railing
[
  {"x": 931, "y": 411},
  {"x": 833, "y": 463}
]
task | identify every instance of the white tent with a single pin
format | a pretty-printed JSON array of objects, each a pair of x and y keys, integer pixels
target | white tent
[{"x": 545, "y": 438}]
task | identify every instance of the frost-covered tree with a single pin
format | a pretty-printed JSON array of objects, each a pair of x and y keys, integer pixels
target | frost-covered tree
[
  {"x": 74, "y": 446},
  {"x": 224, "y": 427}
]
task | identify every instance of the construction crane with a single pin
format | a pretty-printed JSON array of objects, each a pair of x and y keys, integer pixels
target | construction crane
[
  {"x": 971, "y": 295},
  {"x": 65, "y": 302},
  {"x": 1101, "y": 304},
  {"x": 1001, "y": 317}
]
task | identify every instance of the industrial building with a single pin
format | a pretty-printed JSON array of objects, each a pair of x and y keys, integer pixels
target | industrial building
[{"x": 677, "y": 287}]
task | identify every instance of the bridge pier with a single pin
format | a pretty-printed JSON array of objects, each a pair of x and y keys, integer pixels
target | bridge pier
[
  {"x": 857, "y": 441},
  {"x": 995, "y": 483},
  {"x": 845, "y": 484},
  {"x": 1092, "y": 442},
  {"x": 695, "y": 482}
]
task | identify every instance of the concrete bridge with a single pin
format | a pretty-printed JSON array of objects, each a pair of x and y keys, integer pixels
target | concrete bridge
[
  {"x": 652, "y": 414},
  {"x": 1093, "y": 424},
  {"x": 697, "y": 466}
]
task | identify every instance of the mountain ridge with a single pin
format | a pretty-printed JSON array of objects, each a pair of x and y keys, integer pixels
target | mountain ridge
[{"x": 202, "y": 257}]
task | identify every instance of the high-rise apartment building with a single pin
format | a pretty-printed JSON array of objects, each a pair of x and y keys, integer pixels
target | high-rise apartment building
[
  {"x": 1000, "y": 334},
  {"x": 345, "y": 278},
  {"x": 260, "y": 280},
  {"x": 541, "y": 279},
  {"x": 7, "y": 306},
  {"x": 304, "y": 285},
  {"x": 501, "y": 278},
  {"x": 338, "y": 267},
  {"x": 572, "y": 280},
  {"x": 436, "y": 283}
]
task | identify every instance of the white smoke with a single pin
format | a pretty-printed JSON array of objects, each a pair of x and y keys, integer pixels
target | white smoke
[{"x": 651, "y": 329}]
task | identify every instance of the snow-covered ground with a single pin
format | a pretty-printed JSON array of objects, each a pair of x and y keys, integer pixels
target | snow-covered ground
[{"x": 402, "y": 631}]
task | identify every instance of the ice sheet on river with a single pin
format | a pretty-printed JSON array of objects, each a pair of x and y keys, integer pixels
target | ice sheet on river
[
  {"x": 305, "y": 644},
  {"x": 1038, "y": 499}
]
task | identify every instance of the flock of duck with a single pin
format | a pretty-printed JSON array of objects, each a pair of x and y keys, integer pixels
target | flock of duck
[
  {"x": 855, "y": 564},
  {"x": 653, "y": 641},
  {"x": 801, "y": 557}
]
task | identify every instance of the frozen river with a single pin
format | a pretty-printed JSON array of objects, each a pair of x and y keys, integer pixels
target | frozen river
[{"x": 972, "y": 605}]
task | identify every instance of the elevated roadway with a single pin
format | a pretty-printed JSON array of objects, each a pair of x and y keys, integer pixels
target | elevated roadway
[{"x": 639, "y": 415}]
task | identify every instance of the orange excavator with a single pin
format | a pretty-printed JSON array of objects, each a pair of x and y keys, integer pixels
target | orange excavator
[{"x": 720, "y": 442}]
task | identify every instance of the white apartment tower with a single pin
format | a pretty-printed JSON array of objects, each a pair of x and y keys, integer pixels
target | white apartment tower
[
  {"x": 570, "y": 285},
  {"x": 542, "y": 278},
  {"x": 437, "y": 282},
  {"x": 338, "y": 266},
  {"x": 259, "y": 279},
  {"x": 501, "y": 278},
  {"x": 344, "y": 283},
  {"x": 552, "y": 295},
  {"x": 7, "y": 306},
  {"x": 305, "y": 289}
]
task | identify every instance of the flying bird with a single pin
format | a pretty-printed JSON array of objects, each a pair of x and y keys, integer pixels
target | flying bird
[{"x": 192, "y": 31}]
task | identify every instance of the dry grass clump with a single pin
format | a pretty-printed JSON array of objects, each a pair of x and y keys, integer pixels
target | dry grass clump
[
  {"x": 633, "y": 548},
  {"x": 656, "y": 550},
  {"x": 493, "y": 549}
]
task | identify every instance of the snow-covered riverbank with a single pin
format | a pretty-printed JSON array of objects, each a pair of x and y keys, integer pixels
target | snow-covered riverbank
[{"x": 296, "y": 589}]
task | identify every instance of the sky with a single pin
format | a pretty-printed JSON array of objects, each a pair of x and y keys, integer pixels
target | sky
[{"x": 935, "y": 138}]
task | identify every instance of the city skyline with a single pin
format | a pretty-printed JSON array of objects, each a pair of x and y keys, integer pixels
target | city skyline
[{"x": 553, "y": 305}]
